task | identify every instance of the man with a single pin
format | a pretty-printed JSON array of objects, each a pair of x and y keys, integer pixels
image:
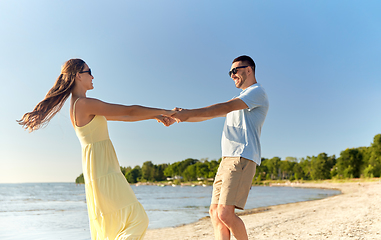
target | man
[{"x": 241, "y": 149}]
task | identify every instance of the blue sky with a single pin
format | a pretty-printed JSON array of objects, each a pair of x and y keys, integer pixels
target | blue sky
[{"x": 319, "y": 62}]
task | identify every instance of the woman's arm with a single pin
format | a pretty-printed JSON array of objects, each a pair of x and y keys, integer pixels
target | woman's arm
[
  {"x": 86, "y": 108},
  {"x": 167, "y": 121}
]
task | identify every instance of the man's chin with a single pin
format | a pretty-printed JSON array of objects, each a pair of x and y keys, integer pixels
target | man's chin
[{"x": 238, "y": 85}]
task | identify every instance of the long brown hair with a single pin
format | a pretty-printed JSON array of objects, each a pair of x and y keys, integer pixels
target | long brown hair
[{"x": 55, "y": 98}]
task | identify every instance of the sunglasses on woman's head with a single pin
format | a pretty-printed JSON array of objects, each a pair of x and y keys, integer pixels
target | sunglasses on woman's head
[
  {"x": 89, "y": 71},
  {"x": 234, "y": 70}
]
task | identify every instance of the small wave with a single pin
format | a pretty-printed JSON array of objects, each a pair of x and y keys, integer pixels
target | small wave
[
  {"x": 32, "y": 210},
  {"x": 196, "y": 207}
]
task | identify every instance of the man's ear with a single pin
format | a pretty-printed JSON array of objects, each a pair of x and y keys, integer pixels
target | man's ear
[
  {"x": 249, "y": 70},
  {"x": 77, "y": 75}
]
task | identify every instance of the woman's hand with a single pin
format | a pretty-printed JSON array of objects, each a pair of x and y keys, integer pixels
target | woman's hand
[{"x": 166, "y": 120}]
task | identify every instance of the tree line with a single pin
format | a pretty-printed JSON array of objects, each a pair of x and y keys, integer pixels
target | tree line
[
  {"x": 352, "y": 163},
  {"x": 187, "y": 170}
]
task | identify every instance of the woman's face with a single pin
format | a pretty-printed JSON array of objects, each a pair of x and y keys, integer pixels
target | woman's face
[{"x": 87, "y": 78}]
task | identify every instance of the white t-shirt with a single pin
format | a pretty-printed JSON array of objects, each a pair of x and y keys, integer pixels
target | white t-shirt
[{"x": 242, "y": 130}]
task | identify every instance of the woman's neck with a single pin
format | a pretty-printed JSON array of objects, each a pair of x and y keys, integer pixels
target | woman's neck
[{"x": 78, "y": 93}]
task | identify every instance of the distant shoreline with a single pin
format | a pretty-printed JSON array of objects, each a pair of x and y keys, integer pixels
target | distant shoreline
[
  {"x": 284, "y": 183},
  {"x": 269, "y": 183}
]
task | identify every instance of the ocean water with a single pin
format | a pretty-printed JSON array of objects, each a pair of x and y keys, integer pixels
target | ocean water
[{"x": 43, "y": 210}]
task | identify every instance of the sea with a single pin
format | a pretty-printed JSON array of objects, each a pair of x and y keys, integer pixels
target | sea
[{"x": 58, "y": 210}]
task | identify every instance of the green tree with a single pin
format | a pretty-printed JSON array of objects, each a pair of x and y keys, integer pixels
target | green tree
[
  {"x": 80, "y": 179},
  {"x": 375, "y": 156},
  {"x": 134, "y": 175},
  {"x": 321, "y": 166},
  {"x": 349, "y": 163},
  {"x": 298, "y": 171},
  {"x": 148, "y": 171},
  {"x": 262, "y": 170},
  {"x": 125, "y": 170},
  {"x": 291, "y": 159},
  {"x": 177, "y": 168},
  {"x": 202, "y": 169},
  {"x": 305, "y": 164},
  {"x": 272, "y": 166},
  {"x": 213, "y": 167},
  {"x": 172, "y": 170},
  {"x": 368, "y": 171},
  {"x": 190, "y": 173},
  {"x": 185, "y": 163},
  {"x": 286, "y": 169},
  {"x": 159, "y": 172}
]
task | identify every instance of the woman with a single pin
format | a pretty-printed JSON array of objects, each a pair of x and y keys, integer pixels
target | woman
[{"x": 114, "y": 211}]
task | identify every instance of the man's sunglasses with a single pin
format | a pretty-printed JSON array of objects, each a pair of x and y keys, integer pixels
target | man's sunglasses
[
  {"x": 89, "y": 71},
  {"x": 234, "y": 70}
]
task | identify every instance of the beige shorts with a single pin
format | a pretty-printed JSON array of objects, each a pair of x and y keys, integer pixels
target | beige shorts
[{"x": 233, "y": 181}]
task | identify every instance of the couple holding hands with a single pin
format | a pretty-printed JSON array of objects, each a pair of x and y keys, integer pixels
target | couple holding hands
[{"x": 114, "y": 211}]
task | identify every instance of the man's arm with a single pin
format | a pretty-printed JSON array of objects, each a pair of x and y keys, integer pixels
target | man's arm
[{"x": 212, "y": 111}]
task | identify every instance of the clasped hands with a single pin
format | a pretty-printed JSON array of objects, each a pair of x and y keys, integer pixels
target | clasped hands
[{"x": 172, "y": 116}]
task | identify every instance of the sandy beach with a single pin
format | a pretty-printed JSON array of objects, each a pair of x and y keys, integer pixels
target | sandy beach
[{"x": 354, "y": 214}]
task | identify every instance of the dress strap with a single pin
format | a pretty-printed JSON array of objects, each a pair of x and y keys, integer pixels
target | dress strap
[{"x": 75, "y": 122}]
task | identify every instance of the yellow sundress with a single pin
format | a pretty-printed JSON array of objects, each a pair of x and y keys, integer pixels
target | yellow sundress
[{"x": 114, "y": 211}]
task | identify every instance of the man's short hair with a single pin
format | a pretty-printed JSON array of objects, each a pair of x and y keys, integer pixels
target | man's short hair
[{"x": 245, "y": 60}]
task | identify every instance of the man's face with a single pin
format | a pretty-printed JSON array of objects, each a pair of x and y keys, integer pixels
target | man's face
[{"x": 240, "y": 76}]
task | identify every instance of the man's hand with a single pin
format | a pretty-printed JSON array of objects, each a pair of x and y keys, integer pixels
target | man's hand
[
  {"x": 181, "y": 115},
  {"x": 166, "y": 120}
]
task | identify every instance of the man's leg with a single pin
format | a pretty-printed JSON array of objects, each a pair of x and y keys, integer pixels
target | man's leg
[
  {"x": 230, "y": 188},
  {"x": 235, "y": 224},
  {"x": 221, "y": 231}
]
